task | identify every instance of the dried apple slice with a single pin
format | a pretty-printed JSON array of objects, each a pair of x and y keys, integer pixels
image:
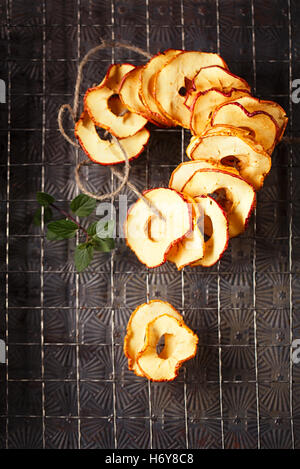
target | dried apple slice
[
  {"x": 165, "y": 366},
  {"x": 107, "y": 110},
  {"x": 151, "y": 237},
  {"x": 185, "y": 170},
  {"x": 191, "y": 248},
  {"x": 215, "y": 77},
  {"x": 147, "y": 84},
  {"x": 263, "y": 127},
  {"x": 129, "y": 94},
  {"x": 232, "y": 150},
  {"x": 175, "y": 79},
  {"x": 215, "y": 228},
  {"x": 227, "y": 129},
  {"x": 136, "y": 328},
  {"x": 105, "y": 151},
  {"x": 273, "y": 109},
  {"x": 204, "y": 104},
  {"x": 233, "y": 193}
]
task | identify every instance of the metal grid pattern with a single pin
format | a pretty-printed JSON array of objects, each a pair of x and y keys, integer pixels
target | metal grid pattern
[{"x": 65, "y": 383}]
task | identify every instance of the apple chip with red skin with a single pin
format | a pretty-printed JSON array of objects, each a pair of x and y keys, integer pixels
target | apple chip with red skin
[
  {"x": 191, "y": 248},
  {"x": 278, "y": 114},
  {"x": 185, "y": 171},
  {"x": 205, "y": 103},
  {"x": 148, "y": 77},
  {"x": 234, "y": 194},
  {"x": 174, "y": 80},
  {"x": 165, "y": 366},
  {"x": 215, "y": 226},
  {"x": 129, "y": 94},
  {"x": 262, "y": 125},
  {"x": 151, "y": 237},
  {"x": 107, "y": 152},
  {"x": 136, "y": 329},
  {"x": 232, "y": 149},
  {"x": 215, "y": 77},
  {"x": 105, "y": 108}
]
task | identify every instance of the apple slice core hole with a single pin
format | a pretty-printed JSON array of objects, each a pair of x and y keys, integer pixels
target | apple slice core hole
[
  {"x": 188, "y": 86},
  {"x": 103, "y": 134},
  {"x": 231, "y": 161},
  {"x": 208, "y": 228},
  {"x": 160, "y": 345},
  {"x": 154, "y": 229},
  {"x": 223, "y": 197},
  {"x": 205, "y": 225},
  {"x": 116, "y": 106}
]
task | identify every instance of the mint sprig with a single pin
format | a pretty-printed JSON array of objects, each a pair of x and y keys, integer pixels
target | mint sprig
[{"x": 98, "y": 234}]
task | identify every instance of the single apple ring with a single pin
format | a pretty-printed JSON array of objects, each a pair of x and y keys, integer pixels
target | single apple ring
[
  {"x": 233, "y": 150},
  {"x": 253, "y": 105},
  {"x": 185, "y": 171},
  {"x": 165, "y": 366},
  {"x": 107, "y": 110},
  {"x": 215, "y": 77},
  {"x": 136, "y": 328},
  {"x": 238, "y": 200},
  {"x": 174, "y": 224},
  {"x": 262, "y": 125},
  {"x": 106, "y": 152}
]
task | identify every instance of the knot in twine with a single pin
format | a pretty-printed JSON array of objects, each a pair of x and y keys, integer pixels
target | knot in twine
[{"x": 73, "y": 112}]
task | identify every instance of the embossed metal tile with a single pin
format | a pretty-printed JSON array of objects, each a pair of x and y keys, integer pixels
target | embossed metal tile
[{"x": 66, "y": 382}]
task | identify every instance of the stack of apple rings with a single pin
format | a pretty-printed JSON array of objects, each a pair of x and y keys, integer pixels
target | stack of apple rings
[{"x": 210, "y": 198}]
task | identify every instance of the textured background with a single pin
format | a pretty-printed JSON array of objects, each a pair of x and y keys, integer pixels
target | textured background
[{"x": 66, "y": 383}]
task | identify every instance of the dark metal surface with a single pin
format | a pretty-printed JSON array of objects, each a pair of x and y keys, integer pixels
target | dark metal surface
[{"x": 65, "y": 383}]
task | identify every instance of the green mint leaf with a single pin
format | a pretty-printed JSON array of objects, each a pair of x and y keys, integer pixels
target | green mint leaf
[
  {"x": 37, "y": 217},
  {"x": 92, "y": 228},
  {"x": 44, "y": 199},
  {"x": 105, "y": 229},
  {"x": 83, "y": 205},
  {"x": 103, "y": 245},
  {"x": 61, "y": 229},
  {"x": 83, "y": 256}
]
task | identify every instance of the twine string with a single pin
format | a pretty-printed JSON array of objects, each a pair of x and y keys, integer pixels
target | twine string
[{"x": 73, "y": 112}]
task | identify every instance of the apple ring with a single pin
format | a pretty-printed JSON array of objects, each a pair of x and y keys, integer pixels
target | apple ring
[
  {"x": 151, "y": 237},
  {"x": 263, "y": 126},
  {"x": 107, "y": 110},
  {"x": 106, "y": 152},
  {"x": 165, "y": 365},
  {"x": 233, "y": 149},
  {"x": 232, "y": 192}
]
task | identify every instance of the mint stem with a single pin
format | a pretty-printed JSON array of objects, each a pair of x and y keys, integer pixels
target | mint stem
[{"x": 67, "y": 215}]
